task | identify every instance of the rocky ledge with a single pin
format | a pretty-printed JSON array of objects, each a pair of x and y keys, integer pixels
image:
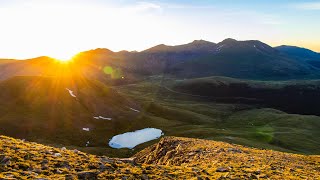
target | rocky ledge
[
  {"x": 229, "y": 161},
  {"x": 171, "y": 158}
]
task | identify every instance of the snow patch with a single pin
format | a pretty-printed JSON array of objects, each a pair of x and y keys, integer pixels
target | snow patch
[
  {"x": 134, "y": 110},
  {"x": 101, "y": 117},
  {"x": 86, "y": 129},
  {"x": 257, "y": 48},
  {"x": 132, "y": 139},
  {"x": 71, "y": 92},
  {"x": 220, "y": 47}
]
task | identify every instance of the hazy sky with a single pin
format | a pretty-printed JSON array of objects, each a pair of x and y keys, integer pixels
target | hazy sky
[{"x": 60, "y": 29}]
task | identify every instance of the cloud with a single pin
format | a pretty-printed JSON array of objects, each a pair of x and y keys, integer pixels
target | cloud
[
  {"x": 308, "y": 5},
  {"x": 146, "y": 7},
  {"x": 184, "y": 6},
  {"x": 151, "y": 7},
  {"x": 270, "y": 20}
]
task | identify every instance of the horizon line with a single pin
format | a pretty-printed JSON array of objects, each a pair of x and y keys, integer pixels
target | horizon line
[{"x": 132, "y": 51}]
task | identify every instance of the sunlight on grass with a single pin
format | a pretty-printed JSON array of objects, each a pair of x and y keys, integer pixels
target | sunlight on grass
[{"x": 265, "y": 133}]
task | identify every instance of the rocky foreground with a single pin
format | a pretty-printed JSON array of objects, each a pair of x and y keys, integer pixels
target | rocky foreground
[{"x": 171, "y": 158}]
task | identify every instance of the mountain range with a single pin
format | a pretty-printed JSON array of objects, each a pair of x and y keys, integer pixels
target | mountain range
[{"x": 239, "y": 59}]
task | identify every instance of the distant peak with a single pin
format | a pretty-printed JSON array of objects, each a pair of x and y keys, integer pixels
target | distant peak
[
  {"x": 297, "y": 50},
  {"x": 254, "y": 41},
  {"x": 201, "y": 42},
  {"x": 103, "y": 50},
  {"x": 229, "y": 40},
  {"x": 96, "y": 51},
  {"x": 291, "y": 47},
  {"x": 41, "y": 58},
  {"x": 161, "y": 45}
]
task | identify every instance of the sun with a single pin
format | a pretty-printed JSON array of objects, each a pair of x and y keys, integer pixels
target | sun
[{"x": 63, "y": 57}]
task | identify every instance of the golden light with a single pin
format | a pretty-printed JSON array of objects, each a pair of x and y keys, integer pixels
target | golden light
[
  {"x": 60, "y": 29},
  {"x": 63, "y": 57}
]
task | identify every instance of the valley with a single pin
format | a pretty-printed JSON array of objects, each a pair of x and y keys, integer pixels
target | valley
[{"x": 226, "y": 118}]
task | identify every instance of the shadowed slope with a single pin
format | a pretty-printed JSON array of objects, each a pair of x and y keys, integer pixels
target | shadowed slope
[
  {"x": 57, "y": 109},
  {"x": 300, "y": 97},
  {"x": 299, "y": 53}
]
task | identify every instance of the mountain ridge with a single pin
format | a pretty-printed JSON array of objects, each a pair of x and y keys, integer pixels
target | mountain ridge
[
  {"x": 297, "y": 52},
  {"x": 200, "y": 41},
  {"x": 250, "y": 59},
  {"x": 196, "y": 45}
]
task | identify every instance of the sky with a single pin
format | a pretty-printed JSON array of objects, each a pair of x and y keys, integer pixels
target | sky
[{"x": 62, "y": 28}]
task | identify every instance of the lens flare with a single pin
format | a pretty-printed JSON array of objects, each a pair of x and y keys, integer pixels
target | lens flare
[{"x": 108, "y": 70}]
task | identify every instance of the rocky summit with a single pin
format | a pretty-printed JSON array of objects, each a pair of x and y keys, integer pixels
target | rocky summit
[{"x": 170, "y": 158}]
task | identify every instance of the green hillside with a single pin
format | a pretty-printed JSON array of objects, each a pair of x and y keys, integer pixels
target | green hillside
[
  {"x": 42, "y": 109},
  {"x": 187, "y": 115}
]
